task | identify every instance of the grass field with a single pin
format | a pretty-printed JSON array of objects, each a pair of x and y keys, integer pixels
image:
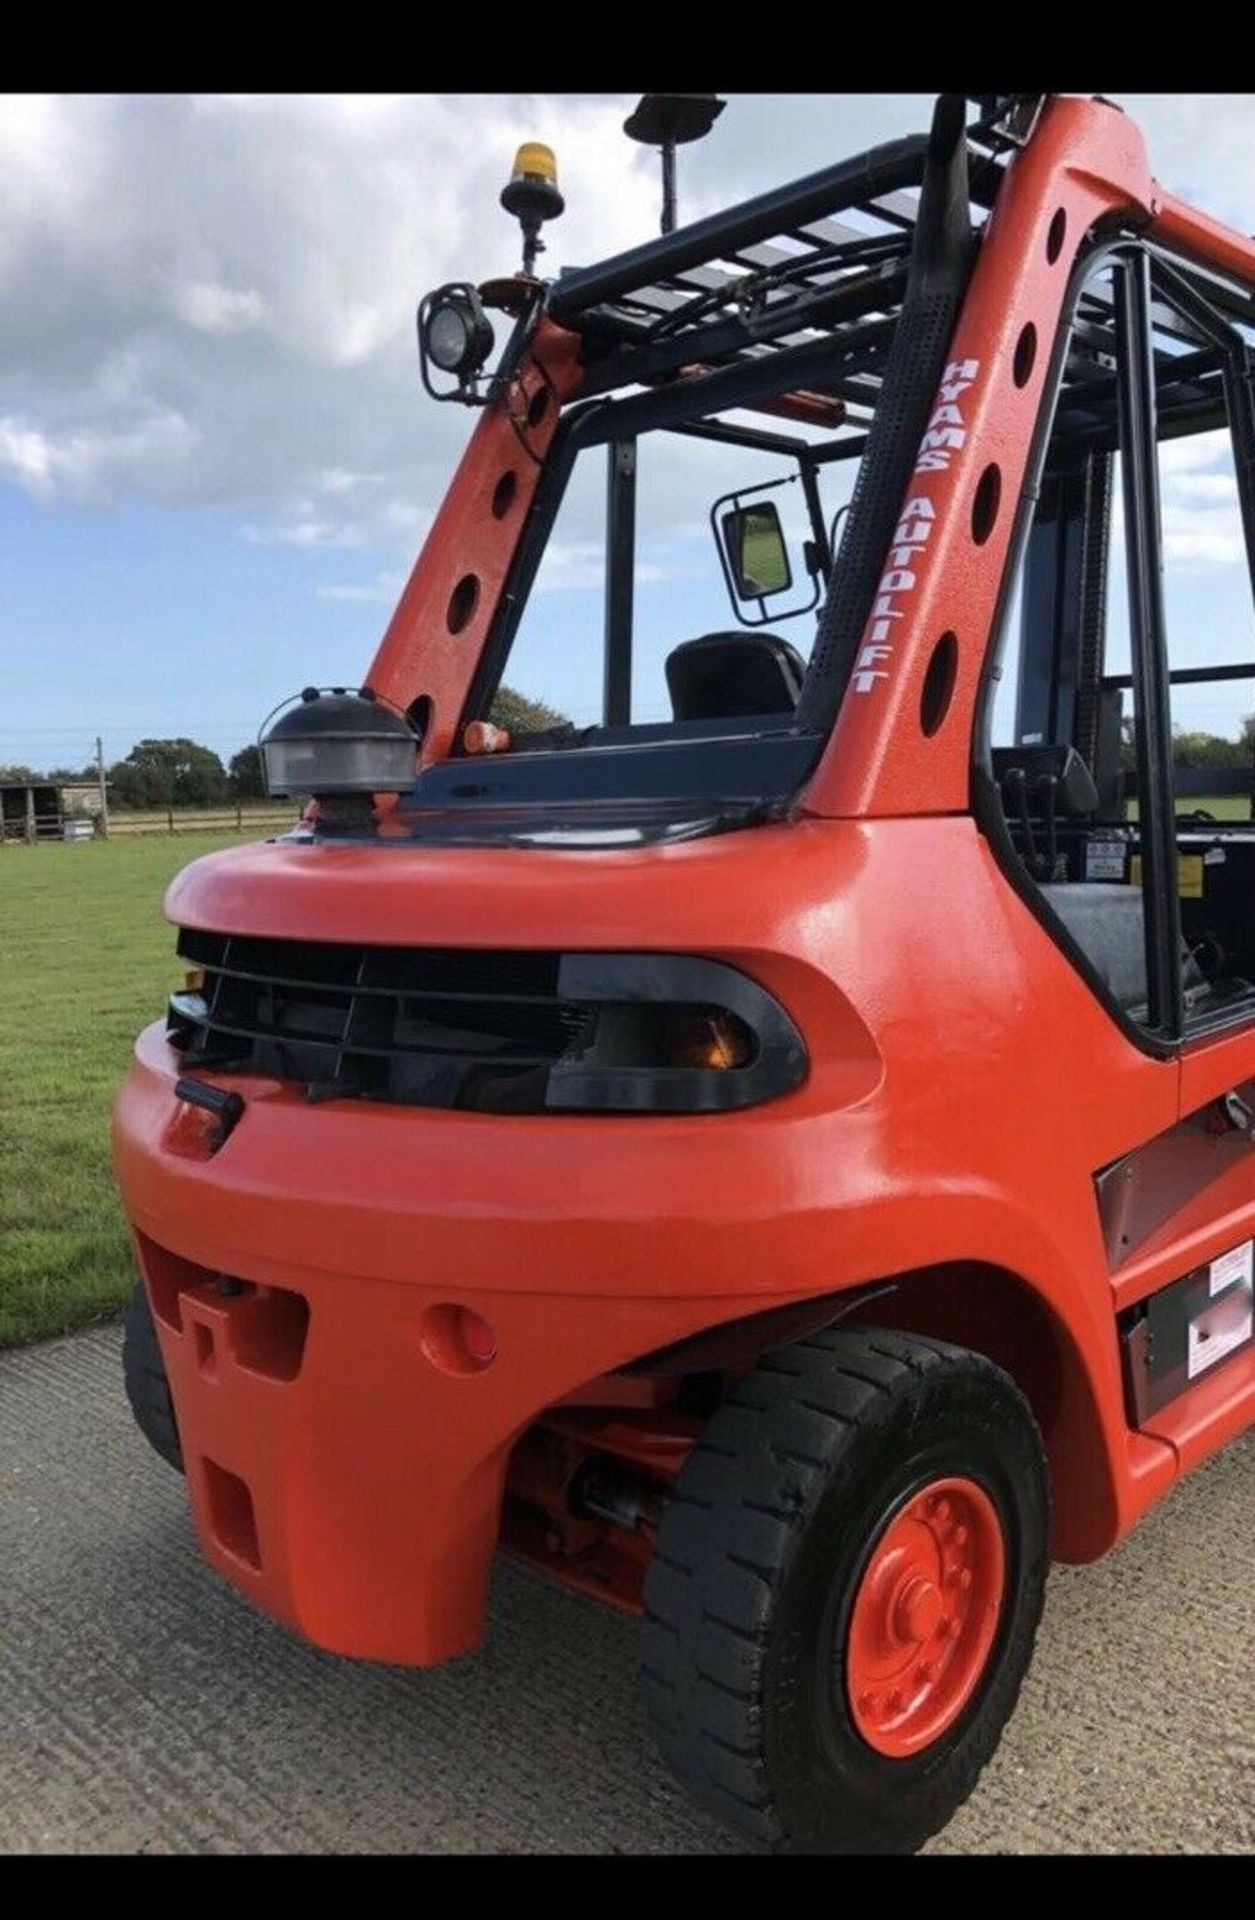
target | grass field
[
  {"x": 1221, "y": 806},
  {"x": 85, "y": 961}
]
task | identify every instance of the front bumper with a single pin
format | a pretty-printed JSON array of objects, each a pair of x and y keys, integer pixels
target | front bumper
[{"x": 341, "y": 1473}]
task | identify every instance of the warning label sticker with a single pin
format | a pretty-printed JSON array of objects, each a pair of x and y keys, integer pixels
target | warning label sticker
[
  {"x": 1227, "y": 1322},
  {"x": 1104, "y": 860},
  {"x": 1237, "y": 1264},
  {"x": 1220, "y": 1331}
]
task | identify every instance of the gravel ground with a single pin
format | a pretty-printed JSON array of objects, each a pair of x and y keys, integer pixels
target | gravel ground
[{"x": 144, "y": 1707}]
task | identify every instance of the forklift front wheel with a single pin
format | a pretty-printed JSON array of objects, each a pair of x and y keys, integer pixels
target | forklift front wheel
[{"x": 846, "y": 1591}]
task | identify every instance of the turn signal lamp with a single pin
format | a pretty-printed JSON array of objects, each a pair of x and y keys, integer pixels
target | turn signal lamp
[{"x": 713, "y": 1040}]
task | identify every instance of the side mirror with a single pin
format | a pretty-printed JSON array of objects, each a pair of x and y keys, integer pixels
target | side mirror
[{"x": 758, "y": 558}]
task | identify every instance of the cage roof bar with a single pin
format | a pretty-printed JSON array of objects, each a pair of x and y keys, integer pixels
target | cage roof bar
[{"x": 850, "y": 183}]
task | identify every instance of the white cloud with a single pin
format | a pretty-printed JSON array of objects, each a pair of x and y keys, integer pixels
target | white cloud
[
  {"x": 571, "y": 566},
  {"x": 1202, "y": 147},
  {"x": 343, "y": 480},
  {"x": 249, "y": 266},
  {"x": 209, "y": 300},
  {"x": 1202, "y": 519},
  {"x": 211, "y": 308},
  {"x": 302, "y": 530},
  {"x": 384, "y": 588},
  {"x": 1200, "y": 537},
  {"x": 87, "y": 462},
  {"x": 1193, "y": 454},
  {"x": 343, "y": 509},
  {"x": 1207, "y": 486},
  {"x": 578, "y": 566}
]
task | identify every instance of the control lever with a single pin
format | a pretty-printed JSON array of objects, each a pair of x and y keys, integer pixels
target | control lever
[
  {"x": 1015, "y": 786},
  {"x": 1047, "y": 785}
]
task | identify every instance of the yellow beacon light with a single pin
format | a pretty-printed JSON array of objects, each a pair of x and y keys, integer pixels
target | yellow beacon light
[
  {"x": 532, "y": 196},
  {"x": 535, "y": 161}
]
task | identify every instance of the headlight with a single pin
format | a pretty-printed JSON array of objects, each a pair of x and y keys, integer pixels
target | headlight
[{"x": 454, "y": 332}]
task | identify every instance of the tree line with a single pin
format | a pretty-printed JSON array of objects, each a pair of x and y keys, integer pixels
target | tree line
[
  {"x": 1195, "y": 748},
  {"x": 183, "y": 773},
  {"x": 165, "y": 773}
]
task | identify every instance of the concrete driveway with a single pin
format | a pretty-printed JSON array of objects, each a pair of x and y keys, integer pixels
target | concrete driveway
[{"x": 144, "y": 1707}]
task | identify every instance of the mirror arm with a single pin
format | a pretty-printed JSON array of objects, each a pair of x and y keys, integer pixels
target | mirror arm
[{"x": 815, "y": 508}]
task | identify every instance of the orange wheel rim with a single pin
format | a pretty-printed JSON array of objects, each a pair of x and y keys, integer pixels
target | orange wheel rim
[{"x": 925, "y": 1616}]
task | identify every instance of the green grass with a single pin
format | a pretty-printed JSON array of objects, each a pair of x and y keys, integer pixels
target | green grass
[
  {"x": 86, "y": 960},
  {"x": 1221, "y": 806}
]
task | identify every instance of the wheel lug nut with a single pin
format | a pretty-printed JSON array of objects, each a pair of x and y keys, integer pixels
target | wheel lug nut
[
  {"x": 895, "y": 1702},
  {"x": 866, "y": 1701},
  {"x": 965, "y": 1578},
  {"x": 942, "y": 1509},
  {"x": 960, "y": 1536},
  {"x": 924, "y": 1673}
]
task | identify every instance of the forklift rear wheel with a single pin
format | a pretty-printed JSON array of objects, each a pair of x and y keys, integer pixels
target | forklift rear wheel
[
  {"x": 846, "y": 1589},
  {"x": 147, "y": 1387}
]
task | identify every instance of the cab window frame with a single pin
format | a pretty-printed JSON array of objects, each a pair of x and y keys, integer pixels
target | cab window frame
[
  {"x": 616, "y": 424},
  {"x": 1142, "y": 273}
]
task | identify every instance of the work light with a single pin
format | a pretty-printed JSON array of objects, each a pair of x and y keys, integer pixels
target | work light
[{"x": 454, "y": 331}]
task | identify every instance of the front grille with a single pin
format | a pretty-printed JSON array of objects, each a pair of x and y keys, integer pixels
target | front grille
[{"x": 422, "y": 1026}]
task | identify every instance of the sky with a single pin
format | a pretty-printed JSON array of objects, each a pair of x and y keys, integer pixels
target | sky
[{"x": 216, "y": 459}]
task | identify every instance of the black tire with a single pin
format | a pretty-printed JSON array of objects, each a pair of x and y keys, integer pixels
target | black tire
[
  {"x": 760, "y": 1553},
  {"x": 147, "y": 1387}
]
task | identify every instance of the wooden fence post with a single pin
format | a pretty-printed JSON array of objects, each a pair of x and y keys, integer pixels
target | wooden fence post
[{"x": 102, "y": 788}]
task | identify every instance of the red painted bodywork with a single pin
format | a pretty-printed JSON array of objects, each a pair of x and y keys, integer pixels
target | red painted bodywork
[
  {"x": 418, "y": 657},
  {"x": 965, "y": 1085}
]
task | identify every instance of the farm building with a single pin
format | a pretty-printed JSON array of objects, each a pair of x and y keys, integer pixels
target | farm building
[{"x": 49, "y": 809}]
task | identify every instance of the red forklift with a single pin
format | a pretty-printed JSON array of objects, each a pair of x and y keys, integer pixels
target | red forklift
[{"x": 766, "y": 1133}]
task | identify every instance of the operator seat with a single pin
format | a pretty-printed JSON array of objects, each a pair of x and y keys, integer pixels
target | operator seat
[{"x": 725, "y": 676}]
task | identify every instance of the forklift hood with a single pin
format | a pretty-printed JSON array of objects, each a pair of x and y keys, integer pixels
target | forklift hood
[{"x": 729, "y": 891}]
